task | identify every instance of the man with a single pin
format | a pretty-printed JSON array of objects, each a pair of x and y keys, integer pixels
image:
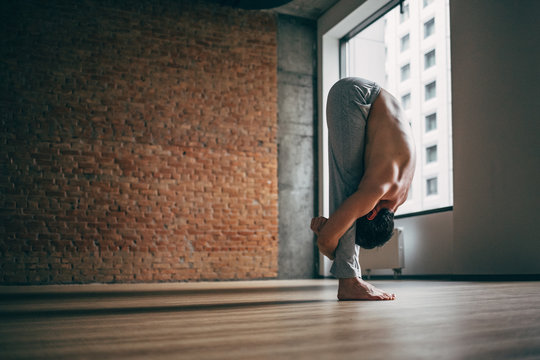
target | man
[{"x": 371, "y": 163}]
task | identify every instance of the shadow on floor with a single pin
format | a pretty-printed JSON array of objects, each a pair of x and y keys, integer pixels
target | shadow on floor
[
  {"x": 47, "y": 313},
  {"x": 6, "y": 295}
]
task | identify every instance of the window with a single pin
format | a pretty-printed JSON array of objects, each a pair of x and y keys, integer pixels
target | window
[
  {"x": 397, "y": 49},
  {"x": 406, "y": 101},
  {"x": 429, "y": 28},
  {"x": 404, "y": 43},
  {"x": 405, "y": 72},
  {"x": 427, "y": 2},
  {"x": 431, "y": 186},
  {"x": 431, "y": 122},
  {"x": 431, "y": 154},
  {"x": 405, "y": 15},
  {"x": 429, "y": 59},
  {"x": 430, "y": 91}
]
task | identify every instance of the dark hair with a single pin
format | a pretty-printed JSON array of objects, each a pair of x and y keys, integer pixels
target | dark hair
[{"x": 376, "y": 232}]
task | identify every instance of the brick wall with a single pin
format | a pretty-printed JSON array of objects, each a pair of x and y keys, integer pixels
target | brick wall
[{"x": 138, "y": 142}]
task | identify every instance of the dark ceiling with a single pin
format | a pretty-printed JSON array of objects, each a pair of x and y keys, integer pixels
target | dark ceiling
[
  {"x": 260, "y": 4},
  {"x": 311, "y": 9}
]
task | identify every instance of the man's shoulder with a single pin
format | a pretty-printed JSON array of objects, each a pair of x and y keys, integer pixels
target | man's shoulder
[
  {"x": 386, "y": 106},
  {"x": 381, "y": 174}
]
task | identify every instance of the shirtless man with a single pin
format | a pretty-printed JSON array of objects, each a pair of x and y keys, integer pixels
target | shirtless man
[{"x": 372, "y": 162}]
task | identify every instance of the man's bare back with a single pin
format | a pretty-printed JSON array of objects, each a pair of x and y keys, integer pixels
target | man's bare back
[
  {"x": 390, "y": 152},
  {"x": 389, "y": 168}
]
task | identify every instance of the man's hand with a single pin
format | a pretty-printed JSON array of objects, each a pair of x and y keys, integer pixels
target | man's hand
[{"x": 316, "y": 225}]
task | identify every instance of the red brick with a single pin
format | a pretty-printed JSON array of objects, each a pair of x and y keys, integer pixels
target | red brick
[{"x": 159, "y": 151}]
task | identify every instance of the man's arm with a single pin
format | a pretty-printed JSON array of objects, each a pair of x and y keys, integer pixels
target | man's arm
[{"x": 357, "y": 205}]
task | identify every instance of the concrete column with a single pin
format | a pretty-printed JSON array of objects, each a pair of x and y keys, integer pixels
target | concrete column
[{"x": 297, "y": 146}]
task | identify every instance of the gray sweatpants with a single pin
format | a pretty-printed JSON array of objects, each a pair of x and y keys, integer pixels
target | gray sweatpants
[{"x": 347, "y": 111}]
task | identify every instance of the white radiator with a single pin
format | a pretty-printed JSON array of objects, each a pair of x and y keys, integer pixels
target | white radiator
[{"x": 388, "y": 256}]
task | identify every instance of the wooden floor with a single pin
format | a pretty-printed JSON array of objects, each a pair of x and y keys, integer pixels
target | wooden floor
[{"x": 271, "y": 320}]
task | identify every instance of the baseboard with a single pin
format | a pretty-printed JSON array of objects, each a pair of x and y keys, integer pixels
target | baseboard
[{"x": 453, "y": 277}]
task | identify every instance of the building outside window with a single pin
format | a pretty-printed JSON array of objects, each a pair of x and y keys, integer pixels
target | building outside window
[
  {"x": 431, "y": 154},
  {"x": 405, "y": 72},
  {"x": 405, "y": 43},
  {"x": 431, "y": 122},
  {"x": 406, "y": 101},
  {"x": 430, "y": 91},
  {"x": 429, "y": 28},
  {"x": 405, "y": 15},
  {"x": 429, "y": 59},
  {"x": 397, "y": 48},
  {"x": 431, "y": 186}
]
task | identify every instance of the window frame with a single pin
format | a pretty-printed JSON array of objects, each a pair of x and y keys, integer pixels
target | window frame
[
  {"x": 432, "y": 20},
  {"x": 376, "y": 15},
  {"x": 334, "y": 29},
  {"x": 426, "y": 3},
  {"x": 403, "y": 96},
  {"x": 434, "y": 52},
  {"x": 408, "y": 36},
  {"x": 426, "y": 84},
  {"x": 426, "y": 130},
  {"x": 436, "y": 178},
  {"x": 428, "y": 148},
  {"x": 404, "y": 14},
  {"x": 408, "y": 68}
]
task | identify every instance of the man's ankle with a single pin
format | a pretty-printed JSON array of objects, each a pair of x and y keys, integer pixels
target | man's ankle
[{"x": 346, "y": 281}]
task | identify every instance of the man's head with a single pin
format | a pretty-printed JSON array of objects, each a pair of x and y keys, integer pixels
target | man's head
[{"x": 376, "y": 232}]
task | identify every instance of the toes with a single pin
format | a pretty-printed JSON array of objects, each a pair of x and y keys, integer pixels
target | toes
[
  {"x": 386, "y": 296},
  {"x": 379, "y": 295}
]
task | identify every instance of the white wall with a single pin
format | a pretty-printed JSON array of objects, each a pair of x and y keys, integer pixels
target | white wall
[
  {"x": 427, "y": 245},
  {"x": 496, "y": 123}
]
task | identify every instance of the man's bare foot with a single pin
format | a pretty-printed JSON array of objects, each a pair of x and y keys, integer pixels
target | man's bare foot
[{"x": 358, "y": 289}]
